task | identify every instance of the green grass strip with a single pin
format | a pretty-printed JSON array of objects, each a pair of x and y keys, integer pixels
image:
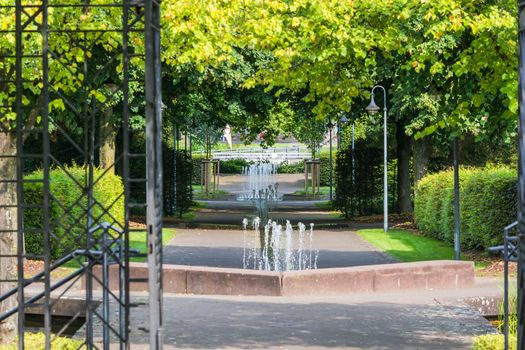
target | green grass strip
[{"x": 406, "y": 246}]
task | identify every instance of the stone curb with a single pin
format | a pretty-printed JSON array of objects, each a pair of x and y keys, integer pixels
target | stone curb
[{"x": 201, "y": 280}]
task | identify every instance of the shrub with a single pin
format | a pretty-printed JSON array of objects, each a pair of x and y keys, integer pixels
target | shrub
[
  {"x": 291, "y": 168},
  {"x": 231, "y": 166},
  {"x": 488, "y": 202},
  {"x": 493, "y": 342},
  {"x": 68, "y": 207},
  {"x": 36, "y": 341},
  {"x": 298, "y": 168}
]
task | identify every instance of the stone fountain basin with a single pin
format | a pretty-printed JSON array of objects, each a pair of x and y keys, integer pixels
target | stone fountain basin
[{"x": 428, "y": 275}]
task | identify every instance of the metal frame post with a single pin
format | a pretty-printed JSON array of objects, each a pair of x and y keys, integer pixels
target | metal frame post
[
  {"x": 154, "y": 166},
  {"x": 521, "y": 182}
]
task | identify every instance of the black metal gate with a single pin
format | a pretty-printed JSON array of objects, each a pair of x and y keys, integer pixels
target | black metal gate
[{"x": 70, "y": 72}]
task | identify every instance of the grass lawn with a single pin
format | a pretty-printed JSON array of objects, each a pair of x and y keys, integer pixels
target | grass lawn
[
  {"x": 406, "y": 246},
  {"x": 137, "y": 240},
  {"x": 322, "y": 190}
]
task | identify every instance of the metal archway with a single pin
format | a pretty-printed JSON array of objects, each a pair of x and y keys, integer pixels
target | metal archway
[{"x": 41, "y": 84}]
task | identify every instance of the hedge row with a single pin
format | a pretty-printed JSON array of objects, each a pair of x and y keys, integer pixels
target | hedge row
[
  {"x": 359, "y": 182},
  {"x": 68, "y": 208},
  {"x": 488, "y": 202}
]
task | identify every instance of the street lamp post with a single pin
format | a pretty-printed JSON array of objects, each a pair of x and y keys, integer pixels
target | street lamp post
[
  {"x": 372, "y": 109},
  {"x": 330, "y": 126},
  {"x": 342, "y": 122}
]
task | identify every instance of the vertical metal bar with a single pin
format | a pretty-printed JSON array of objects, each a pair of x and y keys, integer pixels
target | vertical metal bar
[
  {"x": 19, "y": 173},
  {"x": 305, "y": 176},
  {"x": 506, "y": 287},
  {"x": 154, "y": 168},
  {"x": 385, "y": 166},
  {"x": 457, "y": 246},
  {"x": 124, "y": 287},
  {"x": 87, "y": 182},
  {"x": 174, "y": 174},
  {"x": 46, "y": 151},
  {"x": 331, "y": 162},
  {"x": 105, "y": 287},
  {"x": 521, "y": 187}
]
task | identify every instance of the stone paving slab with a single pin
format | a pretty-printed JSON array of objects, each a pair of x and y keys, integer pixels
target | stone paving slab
[{"x": 408, "y": 321}]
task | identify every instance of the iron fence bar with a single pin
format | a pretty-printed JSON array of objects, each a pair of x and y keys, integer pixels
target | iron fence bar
[
  {"x": 124, "y": 273},
  {"x": 46, "y": 190},
  {"x": 506, "y": 287},
  {"x": 19, "y": 174}
]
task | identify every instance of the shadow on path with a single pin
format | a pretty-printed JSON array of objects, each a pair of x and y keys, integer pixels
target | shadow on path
[{"x": 210, "y": 323}]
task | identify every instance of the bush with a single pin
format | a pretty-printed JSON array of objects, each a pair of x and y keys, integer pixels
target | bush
[
  {"x": 298, "y": 168},
  {"x": 231, "y": 166},
  {"x": 291, "y": 168},
  {"x": 493, "y": 342},
  {"x": 488, "y": 202},
  {"x": 68, "y": 206},
  {"x": 36, "y": 341}
]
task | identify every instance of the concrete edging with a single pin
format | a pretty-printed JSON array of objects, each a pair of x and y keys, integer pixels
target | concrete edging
[{"x": 201, "y": 280}]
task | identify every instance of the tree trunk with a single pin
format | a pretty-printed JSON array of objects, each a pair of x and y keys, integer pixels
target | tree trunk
[
  {"x": 421, "y": 149},
  {"x": 107, "y": 138},
  {"x": 404, "y": 187},
  {"x": 8, "y": 240}
]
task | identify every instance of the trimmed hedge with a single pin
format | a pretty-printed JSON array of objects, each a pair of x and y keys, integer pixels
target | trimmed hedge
[
  {"x": 69, "y": 228},
  {"x": 362, "y": 193},
  {"x": 488, "y": 202},
  {"x": 298, "y": 168},
  {"x": 232, "y": 166},
  {"x": 181, "y": 201}
]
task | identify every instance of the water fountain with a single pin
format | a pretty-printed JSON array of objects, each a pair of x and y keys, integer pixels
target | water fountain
[
  {"x": 261, "y": 182},
  {"x": 271, "y": 250}
]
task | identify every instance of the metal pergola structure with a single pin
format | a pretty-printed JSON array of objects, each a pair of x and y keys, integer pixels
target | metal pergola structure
[
  {"x": 521, "y": 182},
  {"x": 36, "y": 76}
]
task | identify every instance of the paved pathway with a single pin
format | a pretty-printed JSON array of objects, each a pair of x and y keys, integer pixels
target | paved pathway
[
  {"x": 224, "y": 248},
  {"x": 431, "y": 320}
]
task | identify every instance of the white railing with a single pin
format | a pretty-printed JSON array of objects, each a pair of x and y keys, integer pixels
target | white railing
[{"x": 271, "y": 154}]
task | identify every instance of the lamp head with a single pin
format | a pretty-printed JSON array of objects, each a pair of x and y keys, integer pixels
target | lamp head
[
  {"x": 343, "y": 119},
  {"x": 372, "y": 108}
]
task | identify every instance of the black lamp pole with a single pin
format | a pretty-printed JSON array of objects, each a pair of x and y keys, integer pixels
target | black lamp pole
[
  {"x": 330, "y": 126},
  {"x": 373, "y": 109}
]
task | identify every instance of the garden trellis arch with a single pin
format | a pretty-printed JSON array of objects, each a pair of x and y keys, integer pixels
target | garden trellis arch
[{"x": 63, "y": 52}]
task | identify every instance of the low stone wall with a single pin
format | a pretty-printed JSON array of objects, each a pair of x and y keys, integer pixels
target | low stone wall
[{"x": 202, "y": 280}]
